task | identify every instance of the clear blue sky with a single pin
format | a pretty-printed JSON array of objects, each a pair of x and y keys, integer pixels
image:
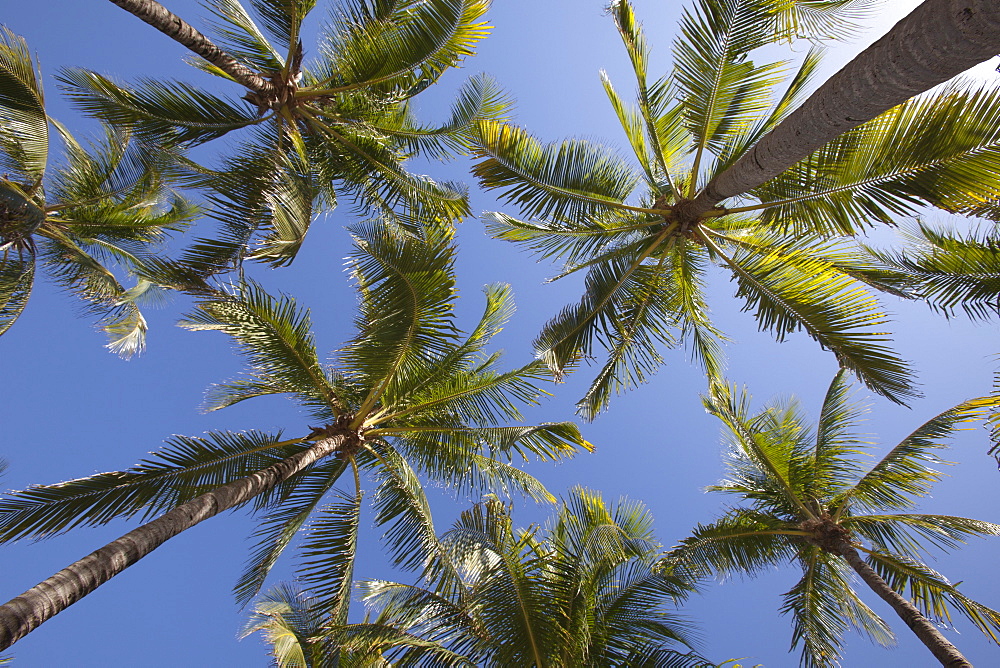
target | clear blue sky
[{"x": 69, "y": 409}]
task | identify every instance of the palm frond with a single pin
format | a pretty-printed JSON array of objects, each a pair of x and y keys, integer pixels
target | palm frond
[
  {"x": 17, "y": 272},
  {"x": 790, "y": 291},
  {"x": 275, "y": 336},
  {"x": 186, "y": 468},
  {"x": 286, "y": 516},
  {"x": 905, "y": 472},
  {"x": 289, "y": 622},
  {"x": 952, "y": 271},
  {"x": 24, "y": 133},
  {"x": 941, "y": 149},
  {"x": 572, "y": 179},
  {"x": 172, "y": 113}
]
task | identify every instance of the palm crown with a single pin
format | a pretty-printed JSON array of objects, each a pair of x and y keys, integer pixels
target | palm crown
[
  {"x": 788, "y": 244},
  {"x": 408, "y": 397},
  {"x": 582, "y": 592},
  {"x": 336, "y": 126},
  {"x": 106, "y": 206},
  {"x": 806, "y": 498}
]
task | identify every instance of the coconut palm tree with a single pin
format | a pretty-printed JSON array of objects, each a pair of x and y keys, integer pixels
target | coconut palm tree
[
  {"x": 407, "y": 397},
  {"x": 788, "y": 241},
  {"x": 582, "y": 592},
  {"x": 806, "y": 498},
  {"x": 106, "y": 206},
  {"x": 309, "y": 133}
]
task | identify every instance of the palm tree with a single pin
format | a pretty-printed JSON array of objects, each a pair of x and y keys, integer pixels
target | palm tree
[
  {"x": 408, "y": 397},
  {"x": 338, "y": 127},
  {"x": 807, "y": 498},
  {"x": 106, "y": 206},
  {"x": 582, "y": 592},
  {"x": 788, "y": 242}
]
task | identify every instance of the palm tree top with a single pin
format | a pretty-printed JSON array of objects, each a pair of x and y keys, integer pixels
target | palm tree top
[
  {"x": 806, "y": 496},
  {"x": 637, "y": 228},
  {"x": 408, "y": 399}
]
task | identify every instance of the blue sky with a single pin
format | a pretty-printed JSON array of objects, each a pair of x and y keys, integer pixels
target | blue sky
[{"x": 69, "y": 409}]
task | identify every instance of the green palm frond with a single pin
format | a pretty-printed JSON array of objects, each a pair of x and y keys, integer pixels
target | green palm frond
[
  {"x": 407, "y": 294},
  {"x": 187, "y": 467},
  {"x": 953, "y": 271},
  {"x": 910, "y": 534},
  {"x": 286, "y": 516},
  {"x": 326, "y": 556},
  {"x": 940, "y": 149},
  {"x": 17, "y": 272},
  {"x": 276, "y": 338},
  {"x": 722, "y": 91},
  {"x": 407, "y": 43},
  {"x": 741, "y": 541},
  {"x": 790, "y": 291},
  {"x": 24, "y": 132},
  {"x": 904, "y": 473},
  {"x": 174, "y": 113},
  {"x": 239, "y": 36},
  {"x": 932, "y": 593},
  {"x": 479, "y": 99},
  {"x": 823, "y": 607},
  {"x": 571, "y": 179}
]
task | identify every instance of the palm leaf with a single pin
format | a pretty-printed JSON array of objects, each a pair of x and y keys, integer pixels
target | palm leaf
[
  {"x": 16, "y": 278},
  {"x": 905, "y": 471},
  {"x": 186, "y": 468},
  {"x": 24, "y": 136}
]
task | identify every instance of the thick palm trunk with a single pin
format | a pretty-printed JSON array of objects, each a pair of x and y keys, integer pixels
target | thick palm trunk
[
  {"x": 179, "y": 30},
  {"x": 939, "y": 646},
  {"x": 937, "y": 41},
  {"x": 21, "y": 615}
]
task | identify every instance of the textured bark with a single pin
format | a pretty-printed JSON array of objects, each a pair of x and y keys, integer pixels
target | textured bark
[
  {"x": 21, "y": 615},
  {"x": 937, "y": 41},
  {"x": 939, "y": 646},
  {"x": 178, "y": 29}
]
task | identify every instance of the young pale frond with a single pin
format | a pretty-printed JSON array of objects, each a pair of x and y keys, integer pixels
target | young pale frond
[
  {"x": 24, "y": 132},
  {"x": 952, "y": 271},
  {"x": 186, "y": 468},
  {"x": 904, "y": 473},
  {"x": 834, "y": 463},
  {"x": 275, "y": 336},
  {"x": 572, "y": 179},
  {"x": 291, "y": 201},
  {"x": 292, "y": 625}
]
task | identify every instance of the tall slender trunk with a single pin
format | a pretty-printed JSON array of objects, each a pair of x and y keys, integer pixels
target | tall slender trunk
[
  {"x": 23, "y": 614},
  {"x": 178, "y": 29},
  {"x": 939, "y": 646},
  {"x": 937, "y": 41}
]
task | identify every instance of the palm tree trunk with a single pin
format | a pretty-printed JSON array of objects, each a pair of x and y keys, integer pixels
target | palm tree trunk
[
  {"x": 178, "y": 29},
  {"x": 937, "y": 41},
  {"x": 23, "y": 614},
  {"x": 939, "y": 646}
]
